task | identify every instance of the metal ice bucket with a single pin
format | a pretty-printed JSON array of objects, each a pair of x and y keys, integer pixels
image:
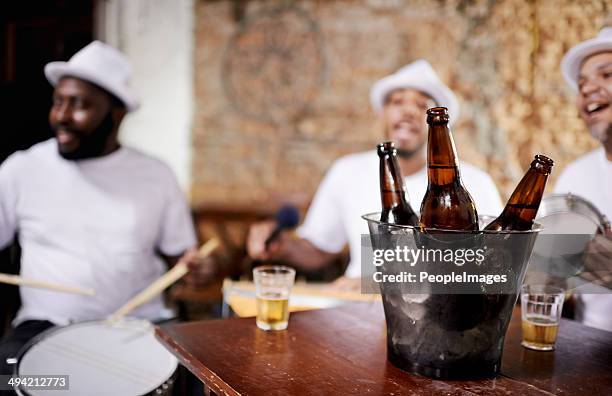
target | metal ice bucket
[{"x": 450, "y": 332}]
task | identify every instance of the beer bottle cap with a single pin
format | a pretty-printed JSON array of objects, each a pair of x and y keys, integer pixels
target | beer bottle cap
[
  {"x": 437, "y": 115},
  {"x": 385, "y": 148},
  {"x": 542, "y": 163}
]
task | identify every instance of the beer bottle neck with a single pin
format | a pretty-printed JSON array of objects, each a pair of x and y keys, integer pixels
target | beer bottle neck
[
  {"x": 525, "y": 200},
  {"x": 392, "y": 192},
  {"x": 442, "y": 166}
]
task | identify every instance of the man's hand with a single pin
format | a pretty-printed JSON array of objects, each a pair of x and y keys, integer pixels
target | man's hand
[
  {"x": 287, "y": 247},
  {"x": 598, "y": 261},
  {"x": 201, "y": 270},
  {"x": 256, "y": 241}
]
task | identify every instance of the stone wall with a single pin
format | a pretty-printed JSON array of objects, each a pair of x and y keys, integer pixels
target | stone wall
[{"x": 282, "y": 87}]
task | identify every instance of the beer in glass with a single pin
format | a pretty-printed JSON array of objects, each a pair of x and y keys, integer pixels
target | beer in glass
[
  {"x": 541, "y": 307},
  {"x": 273, "y": 285}
]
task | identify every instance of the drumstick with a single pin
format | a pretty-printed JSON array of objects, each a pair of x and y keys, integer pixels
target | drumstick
[
  {"x": 17, "y": 280},
  {"x": 174, "y": 274}
]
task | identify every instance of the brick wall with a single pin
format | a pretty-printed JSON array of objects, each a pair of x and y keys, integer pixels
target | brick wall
[{"x": 282, "y": 87}]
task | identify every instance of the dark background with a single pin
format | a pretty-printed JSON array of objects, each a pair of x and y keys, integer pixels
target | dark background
[{"x": 32, "y": 33}]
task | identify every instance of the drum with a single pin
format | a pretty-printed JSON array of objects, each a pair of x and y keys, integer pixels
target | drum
[
  {"x": 570, "y": 222},
  {"x": 570, "y": 214},
  {"x": 100, "y": 358}
]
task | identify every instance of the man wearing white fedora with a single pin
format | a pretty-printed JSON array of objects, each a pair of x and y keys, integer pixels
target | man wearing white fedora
[
  {"x": 89, "y": 212},
  {"x": 587, "y": 68},
  {"x": 351, "y": 187}
]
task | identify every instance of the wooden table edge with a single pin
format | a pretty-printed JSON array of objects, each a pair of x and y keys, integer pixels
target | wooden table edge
[
  {"x": 209, "y": 378},
  {"x": 214, "y": 382}
]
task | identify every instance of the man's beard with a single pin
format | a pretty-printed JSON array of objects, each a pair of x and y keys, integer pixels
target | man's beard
[
  {"x": 601, "y": 132},
  {"x": 92, "y": 144},
  {"x": 406, "y": 154}
]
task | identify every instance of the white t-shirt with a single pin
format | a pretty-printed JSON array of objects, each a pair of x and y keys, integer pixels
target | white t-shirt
[
  {"x": 93, "y": 223},
  {"x": 590, "y": 177},
  {"x": 350, "y": 189}
]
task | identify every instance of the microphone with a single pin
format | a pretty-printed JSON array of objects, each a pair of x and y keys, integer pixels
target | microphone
[{"x": 287, "y": 217}]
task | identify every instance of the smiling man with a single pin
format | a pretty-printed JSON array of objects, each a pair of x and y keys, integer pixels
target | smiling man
[
  {"x": 85, "y": 119},
  {"x": 88, "y": 211},
  {"x": 587, "y": 68},
  {"x": 351, "y": 187}
]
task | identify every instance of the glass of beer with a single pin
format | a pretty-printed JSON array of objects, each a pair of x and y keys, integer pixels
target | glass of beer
[
  {"x": 540, "y": 312},
  {"x": 273, "y": 285}
]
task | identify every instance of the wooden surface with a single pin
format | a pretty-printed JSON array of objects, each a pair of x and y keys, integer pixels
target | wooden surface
[
  {"x": 343, "y": 351},
  {"x": 580, "y": 365}
]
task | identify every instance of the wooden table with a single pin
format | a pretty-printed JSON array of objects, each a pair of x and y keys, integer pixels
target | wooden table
[{"x": 342, "y": 351}]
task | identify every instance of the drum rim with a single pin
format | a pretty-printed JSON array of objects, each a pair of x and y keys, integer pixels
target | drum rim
[
  {"x": 602, "y": 221},
  {"x": 37, "y": 338}
]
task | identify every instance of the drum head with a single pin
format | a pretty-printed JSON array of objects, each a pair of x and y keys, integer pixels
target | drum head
[
  {"x": 569, "y": 214},
  {"x": 569, "y": 223},
  {"x": 123, "y": 358}
]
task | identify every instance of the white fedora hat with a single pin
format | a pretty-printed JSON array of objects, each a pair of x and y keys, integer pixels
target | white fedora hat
[
  {"x": 572, "y": 60},
  {"x": 101, "y": 65},
  {"x": 417, "y": 75}
]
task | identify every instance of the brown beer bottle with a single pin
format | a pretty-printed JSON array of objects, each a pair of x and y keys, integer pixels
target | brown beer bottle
[
  {"x": 522, "y": 207},
  {"x": 395, "y": 207},
  {"x": 446, "y": 204}
]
